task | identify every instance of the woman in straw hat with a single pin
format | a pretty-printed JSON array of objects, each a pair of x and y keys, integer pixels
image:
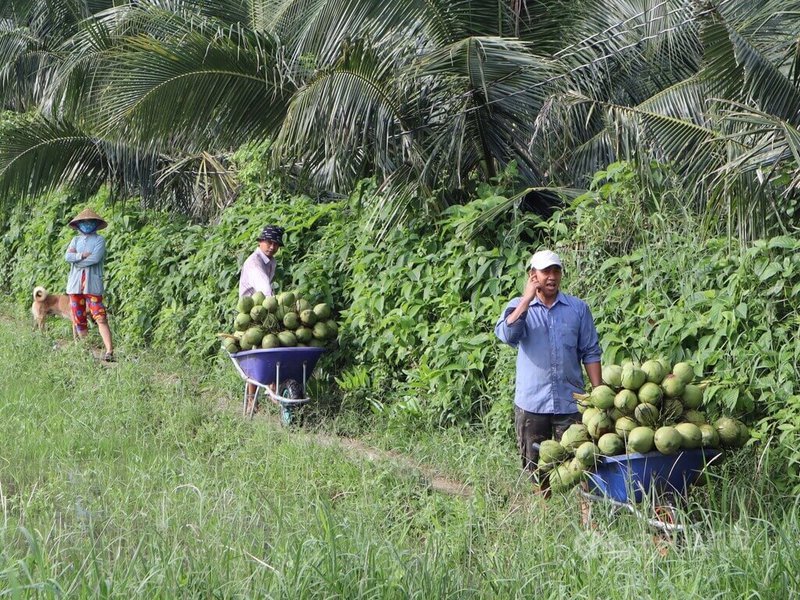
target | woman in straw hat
[{"x": 85, "y": 254}]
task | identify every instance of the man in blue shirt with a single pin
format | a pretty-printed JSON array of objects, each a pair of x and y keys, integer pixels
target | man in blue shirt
[{"x": 554, "y": 334}]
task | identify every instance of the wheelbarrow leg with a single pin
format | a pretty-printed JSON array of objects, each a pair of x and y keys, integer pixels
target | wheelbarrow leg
[{"x": 250, "y": 399}]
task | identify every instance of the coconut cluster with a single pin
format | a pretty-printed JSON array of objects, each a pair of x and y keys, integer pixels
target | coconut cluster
[
  {"x": 640, "y": 408},
  {"x": 286, "y": 320}
]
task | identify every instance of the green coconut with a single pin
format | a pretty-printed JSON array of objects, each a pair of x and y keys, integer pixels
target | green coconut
[
  {"x": 673, "y": 386},
  {"x": 302, "y": 305},
  {"x": 588, "y": 414},
  {"x": 320, "y": 331},
  {"x": 692, "y": 396},
  {"x": 611, "y": 444},
  {"x": 693, "y": 416},
  {"x": 710, "y": 437},
  {"x": 253, "y": 336},
  {"x": 271, "y": 341},
  {"x": 599, "y": 425},
  {"x": 286, "y": 299},
  {"x": 242, "y": 321},
  {"x": 654, "y": 370},
  {"x": 576, "y": 467},
  {"x": 602, "y": 397},
  {"x": 615, "y": 414},
  {"x": 641, "y": 439},
  {"x": 646, "y": 414},
  {"x": 291, "y": 320},
  {"x": 323, "y": 311},
  {"x": 551, "y": 452},
  {"x": 575, "y": 435},
  {"x": 684, "y": 371},
  {"x": 270, "y": 303},
  {"x": 287, "y": 339},
  {"x": 309, "y": 317},
  {"x": 304, "y": 335},
  {"x": 245, "y": 304},
  {"x": 587, "y": 453},
  {"x": 612, "y": 375},
  {"x": 633, "y": 377},
  {"x": 562, "y": 478},
  {"x": 691, "y": 436},
  {"x": 271, "y": 323},
  {"x": 744, "y": 434},
  {"x": 672, "y": 410},
  {"x": 625, "y": 401},
  {"x": 257, "y": 313},
  {"x": 280, "y": 312},
  {"x": 624, "y": 425},
  {"x": 667, "y": 440},
  {"x": 666, "y": 364},
  {"x": 728, "y": 430},
  {"x": 333, "y": 328},
  {"x": 651, "y": 393},
  {"x": 258, "y": 298}
]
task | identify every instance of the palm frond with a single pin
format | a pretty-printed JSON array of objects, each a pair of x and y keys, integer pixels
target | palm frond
[
  {"x": 41, "y": 155},
  {"x": 736, "y": 70},
  {"x": 193, "y": 91},
  {"x": 346, "y": 122}
]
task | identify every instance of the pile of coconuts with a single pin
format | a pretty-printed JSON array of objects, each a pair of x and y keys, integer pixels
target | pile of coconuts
[{"x": 640, "y": 408}]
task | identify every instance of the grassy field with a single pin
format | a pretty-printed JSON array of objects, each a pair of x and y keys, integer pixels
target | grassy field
[{"x": 140, "y": 480}]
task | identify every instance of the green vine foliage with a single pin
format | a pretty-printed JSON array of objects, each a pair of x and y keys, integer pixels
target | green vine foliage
[{"x": 417, "y": 309}]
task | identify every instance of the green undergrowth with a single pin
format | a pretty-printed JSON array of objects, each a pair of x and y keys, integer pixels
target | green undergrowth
[
  {"x": 141, "y": 480},
  {"x": 417, "y": 309}
]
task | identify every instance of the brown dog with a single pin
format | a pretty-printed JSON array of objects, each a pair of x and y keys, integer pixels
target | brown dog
[{"x": 49, "y": 304}]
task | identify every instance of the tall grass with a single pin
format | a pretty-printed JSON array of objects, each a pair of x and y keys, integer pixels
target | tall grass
[{"x": 140, "y": 480}]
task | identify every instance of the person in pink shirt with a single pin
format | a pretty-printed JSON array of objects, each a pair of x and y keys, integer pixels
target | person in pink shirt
[{"x": 258, "y": 270}]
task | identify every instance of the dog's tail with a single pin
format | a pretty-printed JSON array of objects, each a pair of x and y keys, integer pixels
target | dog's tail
[{"x": 39, "y": 293}]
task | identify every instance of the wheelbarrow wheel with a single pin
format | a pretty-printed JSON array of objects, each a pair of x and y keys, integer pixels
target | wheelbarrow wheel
[{"x": 291, "y": 390}]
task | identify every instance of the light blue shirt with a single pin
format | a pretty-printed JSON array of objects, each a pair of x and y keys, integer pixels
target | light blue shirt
[
  {"x": 552, "y": 344},
  {"x": 92, "y": 265}
]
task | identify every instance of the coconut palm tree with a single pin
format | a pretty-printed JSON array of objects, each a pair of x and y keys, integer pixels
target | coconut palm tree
[
  {"x": 423, "y": 94},
  {"x": 726, "y": 119},
  {"x": 428, "y": 96}
]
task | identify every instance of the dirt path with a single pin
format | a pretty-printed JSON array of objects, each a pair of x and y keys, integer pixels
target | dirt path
[
  {"x": 361, "y": 451},
  {"x": 436, "y": 482}
]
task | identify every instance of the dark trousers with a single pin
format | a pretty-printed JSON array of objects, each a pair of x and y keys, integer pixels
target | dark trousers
[{"x": 534, "y": 428}]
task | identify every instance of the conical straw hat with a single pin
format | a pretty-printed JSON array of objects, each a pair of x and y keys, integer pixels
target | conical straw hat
[{"x": 88, "y": 215}]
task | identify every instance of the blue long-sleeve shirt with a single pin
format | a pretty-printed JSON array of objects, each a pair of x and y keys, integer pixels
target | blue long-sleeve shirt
[
  {"x": 92, "y": 265},
  {"x": 552, "y": 344}
]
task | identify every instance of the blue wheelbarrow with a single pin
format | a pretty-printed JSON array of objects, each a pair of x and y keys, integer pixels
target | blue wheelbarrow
[
  {"x": 281, "y": 373},
  {"x": 625, "y": 481}
]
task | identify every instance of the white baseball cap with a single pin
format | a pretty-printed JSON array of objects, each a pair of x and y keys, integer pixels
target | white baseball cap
[{"x": 543, "y": 259}]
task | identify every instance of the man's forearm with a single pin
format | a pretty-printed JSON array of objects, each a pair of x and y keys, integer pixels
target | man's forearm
[
  {"x": 594, "y": 372},
  {"x": 518, "y": 312}
]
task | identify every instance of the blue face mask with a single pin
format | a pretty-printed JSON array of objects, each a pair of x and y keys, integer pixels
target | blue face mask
[{"x": 87, "y": 227}]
